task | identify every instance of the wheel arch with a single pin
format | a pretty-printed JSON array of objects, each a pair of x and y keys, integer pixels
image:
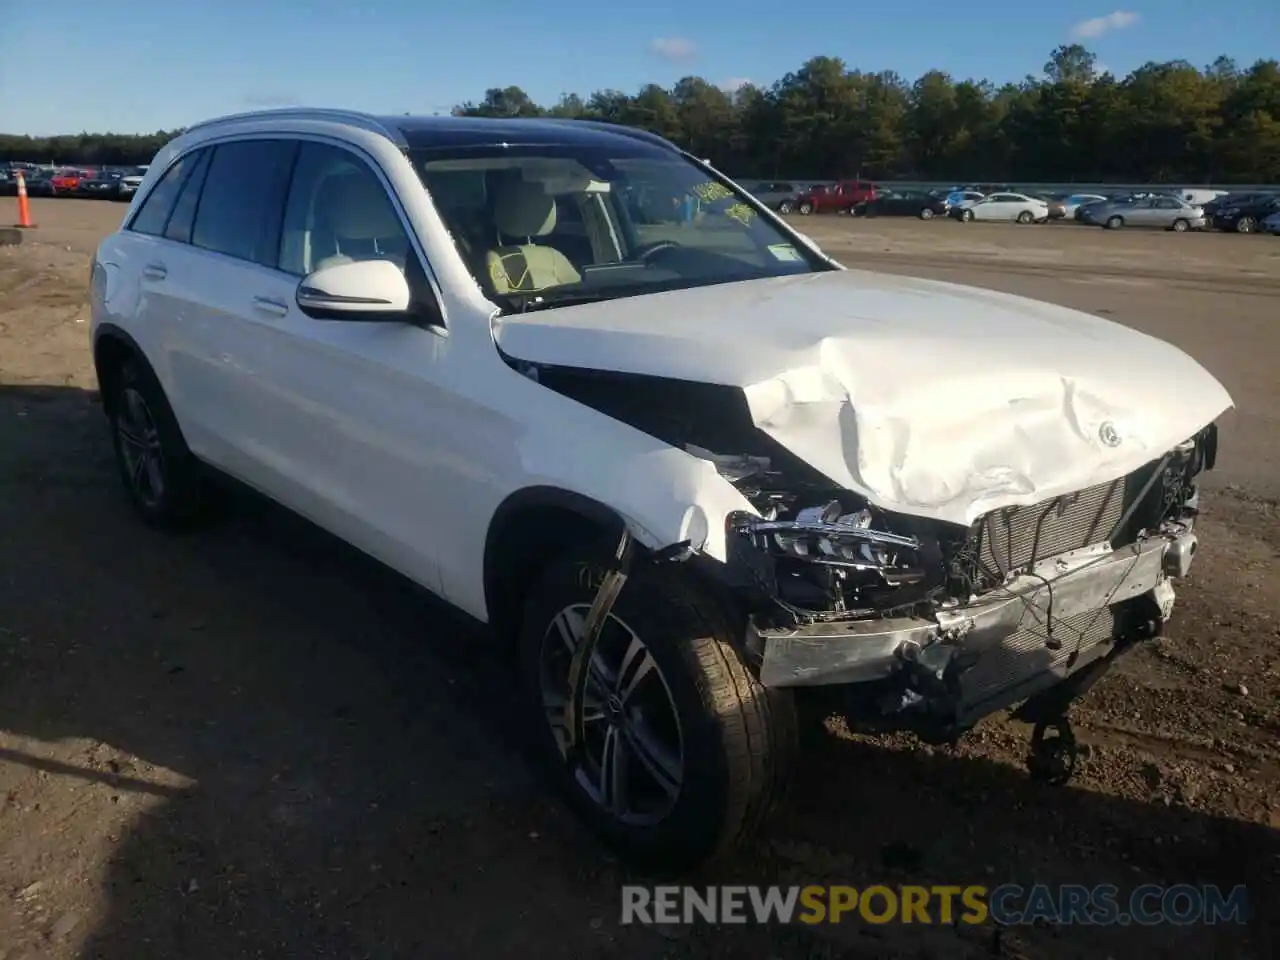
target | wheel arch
[
  {"x": 111, "y": 347},
  {"x": 530, "y": 528}
]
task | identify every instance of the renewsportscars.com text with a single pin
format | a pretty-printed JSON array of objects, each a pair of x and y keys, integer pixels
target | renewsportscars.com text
[{"x": 1008, "y": 904}]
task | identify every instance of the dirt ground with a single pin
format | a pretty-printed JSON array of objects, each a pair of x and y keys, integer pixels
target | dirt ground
[{"x": 249, "y": 742}]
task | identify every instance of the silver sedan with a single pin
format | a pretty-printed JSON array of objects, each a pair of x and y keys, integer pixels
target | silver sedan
[{"x": 1166, "y": 213}]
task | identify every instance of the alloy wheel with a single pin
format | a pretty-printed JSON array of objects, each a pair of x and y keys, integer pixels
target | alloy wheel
[
  {"x": 139, "y": 443},
  {"x": 631, "y": 760}
]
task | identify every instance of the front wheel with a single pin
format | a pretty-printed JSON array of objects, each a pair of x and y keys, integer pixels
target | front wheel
[
  {"x": 967, "y": 216},
  {"x": 785, "y": 206},
  {"x": 1115, "y": 223},
  {"x": 683, "y": 753},
  {"x": 1246, "y": 225},
  {"x": 1181, "y": 226}
]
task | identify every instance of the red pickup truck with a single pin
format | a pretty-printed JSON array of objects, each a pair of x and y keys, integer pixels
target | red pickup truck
[{"x": 839, "y": 197}]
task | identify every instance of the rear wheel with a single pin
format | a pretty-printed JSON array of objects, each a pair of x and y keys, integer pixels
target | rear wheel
[
  {"x": 160, "y": 475},
  {"x": 926, "y": 214},
  {"x": 683, "y": 752},
  {"x": 805, "y": 208},
  {"x": 967, "y": 216},
  {"x": 785, "y": 206},
  {"x": 1025, "y": 216}
]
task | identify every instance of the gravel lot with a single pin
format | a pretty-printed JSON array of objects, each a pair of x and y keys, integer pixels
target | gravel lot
[{"x": 251, "y": 743}]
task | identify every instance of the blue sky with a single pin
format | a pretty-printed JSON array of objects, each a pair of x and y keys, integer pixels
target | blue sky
[{"x": 143, "y": 65}]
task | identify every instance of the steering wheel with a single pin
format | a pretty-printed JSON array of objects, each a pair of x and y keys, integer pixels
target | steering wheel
[{"x": 649, "y": 249}]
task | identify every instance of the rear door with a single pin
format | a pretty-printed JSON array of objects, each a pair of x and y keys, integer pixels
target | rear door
[{"x": 222, "y": 269}]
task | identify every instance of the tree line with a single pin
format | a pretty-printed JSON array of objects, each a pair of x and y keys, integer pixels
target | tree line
[{"x": 1163, "y": 123}]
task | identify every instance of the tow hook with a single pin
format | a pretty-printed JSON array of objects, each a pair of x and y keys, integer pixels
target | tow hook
[{"x": 1054, "y": 752}]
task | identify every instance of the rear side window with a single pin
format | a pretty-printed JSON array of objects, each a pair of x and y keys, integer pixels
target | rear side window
[
  {"x": 242, "y": 202},
  {"x": 159, "y": 202}
]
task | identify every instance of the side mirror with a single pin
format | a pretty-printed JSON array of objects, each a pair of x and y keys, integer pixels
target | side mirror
[{"x": 370, "y": 291}]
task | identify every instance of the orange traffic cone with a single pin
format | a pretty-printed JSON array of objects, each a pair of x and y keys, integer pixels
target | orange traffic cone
[{"x": 24, "y": 205}]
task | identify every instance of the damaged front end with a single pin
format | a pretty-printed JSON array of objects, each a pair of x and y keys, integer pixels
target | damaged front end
[
  {"x": 930, "y": 627},
  {"x": 910, "y": 622}
]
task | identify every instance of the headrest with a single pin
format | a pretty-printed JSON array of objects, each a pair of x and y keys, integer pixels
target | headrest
[
  {"x": 358, "y": 208},
  {"x": 522, "y": 209}
]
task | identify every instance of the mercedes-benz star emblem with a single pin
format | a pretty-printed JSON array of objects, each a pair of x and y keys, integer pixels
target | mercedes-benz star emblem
[{"x": 1108, "y": 434}]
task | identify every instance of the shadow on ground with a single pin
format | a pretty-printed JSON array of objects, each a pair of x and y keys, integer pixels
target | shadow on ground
[{"x": 249, "y": 742}]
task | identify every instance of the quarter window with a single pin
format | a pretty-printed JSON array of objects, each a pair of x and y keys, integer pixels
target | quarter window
[
  {"x": 240, "y": 206},
  {"x": 184, "y": 209},
  {"x": 156, "y": 208}
]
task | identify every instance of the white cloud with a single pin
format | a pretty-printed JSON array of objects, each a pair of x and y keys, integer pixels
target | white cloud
[
  {"x": 675, "y": 49},
  {"x": 1116, "y": 20},
  {"x": 734, "y": 84}
]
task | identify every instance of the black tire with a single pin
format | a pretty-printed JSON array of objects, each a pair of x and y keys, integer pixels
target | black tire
[
  {"x": 1025, "y": 216},
  {"x": 966, "y": 216},
  {"x": 1246, "y": 225},
  {"x": 160, "y": 474},
  {"x": 1115, "y": 223},
  {"x": 805, "y": 208},
  {"x": 736, "y": 738},
  {"x": 785, "y": 206},
  {"x": 926, "y": 214},
  {"x": 1181, "y": 226}
]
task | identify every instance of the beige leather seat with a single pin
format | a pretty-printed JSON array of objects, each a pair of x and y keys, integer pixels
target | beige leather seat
[
  {"x": 359, "y": 223},
  {"x": 524, "y": 211}
]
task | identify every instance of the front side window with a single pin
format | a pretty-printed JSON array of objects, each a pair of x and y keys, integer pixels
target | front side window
[
  {"x": 546, "y": 225},
  {"x": 338, "y": 212}
]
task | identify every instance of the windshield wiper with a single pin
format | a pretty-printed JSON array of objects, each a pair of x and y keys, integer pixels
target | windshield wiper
[{"x": 564, "y": 298}]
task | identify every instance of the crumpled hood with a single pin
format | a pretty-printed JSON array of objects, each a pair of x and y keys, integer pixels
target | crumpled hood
[{"x": 928, "y": 398}]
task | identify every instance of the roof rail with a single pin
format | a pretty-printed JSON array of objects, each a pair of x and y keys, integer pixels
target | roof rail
[
  {"x": 635, "y": 133},
  {"x": 354, "y": 117}
]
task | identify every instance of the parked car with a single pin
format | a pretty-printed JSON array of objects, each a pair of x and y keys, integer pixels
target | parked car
[
  {"x": 1244, "y": 215},
  {"x": 840, "y": 197},
  {"x": 103, "y": 185},
  {"x": 958, "y": 198},
  {"x": 1166, "y": 213},
  {"x": 777, "y": 194},
  {"x": 1016, "y": 207},
  {"x": 1082, "y": 210},
  {"x": 651, "y": 457},
  {"x": 67, "y": 181},
  {"x": 1075, "y": 201},
  {"x": 902, "y": 203},
  {"x": 40, "y": 184},
  {"x": 129, "y": 183}
]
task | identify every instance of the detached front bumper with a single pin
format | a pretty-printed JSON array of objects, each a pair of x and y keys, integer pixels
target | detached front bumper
[{"x": 1035, "y": 631}]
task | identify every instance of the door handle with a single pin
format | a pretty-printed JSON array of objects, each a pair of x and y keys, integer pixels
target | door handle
[
  {"x": 270, "y": 305},
  {"x": 155, "y": 271}
]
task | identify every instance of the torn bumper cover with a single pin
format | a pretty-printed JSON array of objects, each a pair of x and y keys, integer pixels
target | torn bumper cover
[{"x": 974, "y": 659}]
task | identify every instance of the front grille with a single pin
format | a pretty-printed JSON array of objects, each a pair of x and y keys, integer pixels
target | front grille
[
  {"x": 1015, "y": 537},
  {"x": 1024, "y": 653}
]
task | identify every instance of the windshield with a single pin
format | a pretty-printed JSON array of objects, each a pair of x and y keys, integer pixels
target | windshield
[{"x": 542, "y": 226}]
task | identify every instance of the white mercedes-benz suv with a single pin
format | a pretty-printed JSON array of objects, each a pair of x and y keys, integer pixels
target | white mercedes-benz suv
[{"x": 592, "y": 393}]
